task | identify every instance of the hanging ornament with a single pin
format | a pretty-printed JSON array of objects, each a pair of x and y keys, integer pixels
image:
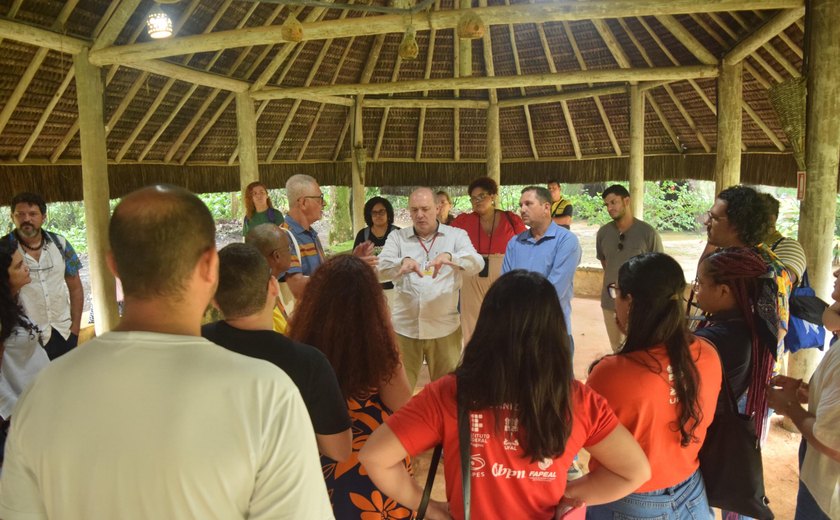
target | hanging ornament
[
  {"x": 470, "y": 26},
  {"x": 408, "y": 47},
  {"x": 291, "y": 30}
]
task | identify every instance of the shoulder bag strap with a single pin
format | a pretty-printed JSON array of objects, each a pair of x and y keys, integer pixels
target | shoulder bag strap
[
  {"x": 367, "y": 234},
  {"x": 464, "y": 446},
  {"x": 430, "y": 480},
  {"x": 776, "y": 244}
]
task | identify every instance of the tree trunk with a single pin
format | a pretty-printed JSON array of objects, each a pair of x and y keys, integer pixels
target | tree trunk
[{"x": 342, "y": 224}]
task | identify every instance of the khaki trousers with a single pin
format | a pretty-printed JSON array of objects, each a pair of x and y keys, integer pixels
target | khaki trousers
[
  {"x": 615, "y": 335},
  {"x": 441, "y": 354},
  {"x": 472, "y": 294}
]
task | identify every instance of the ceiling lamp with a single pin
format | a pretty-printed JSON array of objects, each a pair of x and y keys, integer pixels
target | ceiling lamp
[
  {"x": 158, "y": 23},
  {"x": 408, "y": 47}
]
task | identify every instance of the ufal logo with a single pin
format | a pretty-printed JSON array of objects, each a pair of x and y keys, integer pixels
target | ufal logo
[{"x": 545, "y": 464}]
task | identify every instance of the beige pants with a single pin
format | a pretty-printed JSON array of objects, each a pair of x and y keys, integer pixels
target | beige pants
[
  {"x": 615, "y": 335},
  {"x": 472, "y": 294},
  {"x": 441, "y": 354}
]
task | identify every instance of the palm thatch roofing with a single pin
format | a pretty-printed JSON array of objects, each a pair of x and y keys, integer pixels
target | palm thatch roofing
[{"x": 166, "y": 122}]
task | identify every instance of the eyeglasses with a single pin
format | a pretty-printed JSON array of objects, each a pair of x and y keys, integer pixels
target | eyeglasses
[
  {"x": 379, "y": 212},
  {"x": 20, "y": 215},
  {"x": 620, "y": 242},
  {"x": 612, "y": 290},
  {"x": 36, "y": 267},
  {"x": 714, "y": 218},
  {"x": 479, "y": 198},
  {"x": 321, "y": 197}
]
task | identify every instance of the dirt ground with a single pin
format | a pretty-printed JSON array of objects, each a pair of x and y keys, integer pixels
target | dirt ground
[{"x": 781, "y": 471}]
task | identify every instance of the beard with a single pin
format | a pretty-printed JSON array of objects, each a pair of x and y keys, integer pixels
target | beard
[{"x": 29, "y": 231}]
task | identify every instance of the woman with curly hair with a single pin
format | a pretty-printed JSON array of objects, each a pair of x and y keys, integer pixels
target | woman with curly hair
[
  {"x": 258, "y": 208},
  {"x": 21, "y": 345},
  {"x": 663, "y": 384},
  {"x": 362, "y": 348},
  {"x": 528, "y": 418}
]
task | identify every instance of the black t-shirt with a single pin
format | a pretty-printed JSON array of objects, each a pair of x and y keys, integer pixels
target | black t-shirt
[
  {"x": 307, "y": 366},
  {"x": 378, "y": 244},
  {"x": 730, "y": 335}
]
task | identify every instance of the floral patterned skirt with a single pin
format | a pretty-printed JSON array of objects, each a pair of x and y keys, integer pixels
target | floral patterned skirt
[{"x": 352, "y": 494}]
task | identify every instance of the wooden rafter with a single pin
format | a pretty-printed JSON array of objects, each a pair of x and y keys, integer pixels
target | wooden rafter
[
  {"x": 526, "y": 108},
  {"x": 121, "y": 12},
  {"x": 342, "y": 135},
  {"x": 674, "y": 98},
  {"x": 479, "y": 83},
  {"x": 784, "y": 37},
  {"x": 45, "y": 115},
  {"x": 495, "y": 15},
  {"x": 456, "y": 114},
  {"x": 32, "y": 69},
  {"x": 601, "y": 111},
  {"x": 314, "y": 124},
  {"x": 687, "y": 39},
  {"x": 205, "y": 129},
  {"x": 624, "y": 62},
  {"x": 427, "y": 73},
  {"x": 564, "y": 106},
  {"x": 700, "y": 92},
  {"x": 138, "y": 128},
  {"x": 112, "y": 72},
  {"x": 287, "y": 123},
  {"x": 38, "y": 37},
  {"x": 384, "y": 121},
  {"x": 489, "y": 65},
  {"x": 755, "y": 74},
  {"x": 762, "y": 36},
  {"x": 284, "y": 52},
  {"x": 757, "y": 57}
]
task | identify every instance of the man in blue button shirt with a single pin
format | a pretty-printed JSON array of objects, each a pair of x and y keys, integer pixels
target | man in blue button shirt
[{"x": 545, "y": 248}]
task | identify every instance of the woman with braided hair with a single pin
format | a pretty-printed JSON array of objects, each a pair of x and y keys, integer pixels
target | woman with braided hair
[{"x": 737, "y": 291}]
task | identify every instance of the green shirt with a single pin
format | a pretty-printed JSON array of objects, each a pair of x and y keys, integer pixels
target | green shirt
[{"x": 269, "y": 216}]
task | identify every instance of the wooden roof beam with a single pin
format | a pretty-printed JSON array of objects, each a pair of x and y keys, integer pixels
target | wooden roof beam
[
  {"x": 762, "y": 35},
  {"x": 447, "y": 19},
  {"x": 121, "y": 12},
  {"x": 770, "y": 49},
  {"x": 526, "y": 108},
  {"x": 624, "y": 62},
  {"x": 784, "y": 37},
  {"x": 688, "y": 40},
  {"x": 747, "y": 66},
  {"x": 757, "y": 57},
  {"x": 427, "y": 73},
  {"x": 567, "y": 95},
  {"x": 564, "y": 106},
  {"x": 674, "y": 99},
  {"x": 600, "y": 106},
  {"x": 480, "y": 83},
  {"x": 384, "y": 121},
  {"x": 284, "y": 52},
  {"x": 45, "y": 115},
  {"x": 314, "y": 124},
  {"x": 38, "y": 37}
]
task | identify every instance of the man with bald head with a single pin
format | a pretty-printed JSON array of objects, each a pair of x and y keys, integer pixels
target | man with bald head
[
  {"x": 150, "y": 420},
  {"x": 427, "y": 263},
  {"x": 273, "y": 243}
]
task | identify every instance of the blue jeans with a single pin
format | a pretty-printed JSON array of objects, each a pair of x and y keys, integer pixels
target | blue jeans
[
  {"x": 806, "y": 507},
  {"x": 685, "y": 501}
]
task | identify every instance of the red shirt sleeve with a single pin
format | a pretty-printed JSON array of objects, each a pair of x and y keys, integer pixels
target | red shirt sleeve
[
  {"x": 419, "y": 424},
  {"x": 600, "y": 416}
]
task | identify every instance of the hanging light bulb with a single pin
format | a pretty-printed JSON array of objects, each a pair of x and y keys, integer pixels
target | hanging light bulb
[
  {"x": 408, "y": 47},
  {"x": 158, "y": 23}
]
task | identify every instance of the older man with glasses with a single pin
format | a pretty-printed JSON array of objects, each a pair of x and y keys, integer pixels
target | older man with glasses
[{"x": 616, "y": 242}]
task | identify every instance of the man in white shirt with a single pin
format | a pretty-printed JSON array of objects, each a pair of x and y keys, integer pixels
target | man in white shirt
[
  {"x": 426, "y": 263},
  {"x": 151, "y": 420}
]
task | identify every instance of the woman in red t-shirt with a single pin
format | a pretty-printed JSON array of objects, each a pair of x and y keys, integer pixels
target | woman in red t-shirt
[
  {"x": 663, "y": 385},
  {"x": 490, "y": 230},
  {"x": 528, "y": 418}
]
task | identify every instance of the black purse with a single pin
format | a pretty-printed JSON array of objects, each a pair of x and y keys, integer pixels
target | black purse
[
  {"x": 730, "y": 461},
  {"x": 464, "y": 446}
]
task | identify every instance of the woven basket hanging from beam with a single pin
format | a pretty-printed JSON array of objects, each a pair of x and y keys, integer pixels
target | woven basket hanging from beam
[{"x": 788, "y": 100}]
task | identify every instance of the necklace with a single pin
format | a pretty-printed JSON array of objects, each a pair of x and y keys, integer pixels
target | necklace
[{"x": 31, "y": 248}]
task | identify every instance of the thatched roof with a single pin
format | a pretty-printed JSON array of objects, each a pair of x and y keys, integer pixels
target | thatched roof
[{"x": 162, "y": 128}]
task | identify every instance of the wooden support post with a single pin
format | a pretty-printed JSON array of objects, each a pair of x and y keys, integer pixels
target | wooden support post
[
  {"x": 246, "y": 126},
  {"x": 89, "y": 90},
  {"x": 822, "y": 148},
  {"x": 636, "y": 174},
  {"x": 728, "y": 160},
  {"x": 358, "y": 160},
  {"x": 465, "y": 47},
  {"x": 494, "y": 144}
]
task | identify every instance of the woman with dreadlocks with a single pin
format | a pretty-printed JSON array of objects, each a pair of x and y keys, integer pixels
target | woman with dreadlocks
[
  {"x": 663, "y": 386},
  {"x": 737, "y": 291}
]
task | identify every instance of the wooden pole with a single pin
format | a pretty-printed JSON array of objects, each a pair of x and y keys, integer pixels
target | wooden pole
[
  {"x": 637, "y": 152},
  {"x": 95, "y": 190},
  {"x": 728, "y": 160},
  {"x": 358, "y": 161},
  {"x": 494, "y": 144},
  {"x": 464, "y": 47},
  {"x": 246, "y": 126},
  {"x": 822, "y": 146}
]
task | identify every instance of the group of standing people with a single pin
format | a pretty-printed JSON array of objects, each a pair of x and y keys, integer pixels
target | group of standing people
[{"x": 232, "y": 425}]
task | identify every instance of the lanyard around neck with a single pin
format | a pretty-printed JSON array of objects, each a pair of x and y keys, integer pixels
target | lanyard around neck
[{"x": 429, "y": 249}]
